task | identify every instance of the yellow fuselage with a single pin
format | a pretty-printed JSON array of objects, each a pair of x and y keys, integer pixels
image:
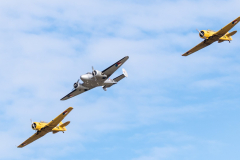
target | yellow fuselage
[
  {"x": 209, "y": 33},
  {"x": 40, "y": 125}
]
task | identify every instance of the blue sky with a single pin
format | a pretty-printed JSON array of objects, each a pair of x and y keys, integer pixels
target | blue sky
[{"x": 170, "y": 107}]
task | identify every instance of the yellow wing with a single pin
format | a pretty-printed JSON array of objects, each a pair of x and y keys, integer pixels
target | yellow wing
[
  {"x": 59, "y": 118},
  {"x": 225, "y": 29},
  {"x": 197, "y": 47},
  {"x": 32, "y": 138}
]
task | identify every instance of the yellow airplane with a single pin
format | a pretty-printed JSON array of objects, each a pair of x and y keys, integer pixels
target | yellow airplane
[
  {"x": 44, "y": 127},
  {"x": 210, "y": 36}
]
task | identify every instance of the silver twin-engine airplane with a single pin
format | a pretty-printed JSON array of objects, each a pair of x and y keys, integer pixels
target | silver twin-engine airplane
[{"x": 98, "y": 78}]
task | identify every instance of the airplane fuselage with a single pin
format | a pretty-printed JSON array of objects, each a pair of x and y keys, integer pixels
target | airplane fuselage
[
  {"x": 39, "y": 126},
  {"x": 208, "y": 33},
  {"x": 90, "y": 81}
]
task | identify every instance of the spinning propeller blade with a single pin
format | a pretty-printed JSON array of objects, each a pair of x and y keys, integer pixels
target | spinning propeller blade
[
  {"x": 33, "y": 125},
  {"x": 201, "y": 34},
  {"x": 74, "y": 85},
  {"x": 93, "y": 73}
]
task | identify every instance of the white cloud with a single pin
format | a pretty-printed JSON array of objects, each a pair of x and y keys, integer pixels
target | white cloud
[{"x": 46, "y": 45}]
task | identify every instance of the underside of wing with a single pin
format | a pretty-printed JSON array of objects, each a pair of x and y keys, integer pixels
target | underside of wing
[
  {"x": 225, "y": 29},
  {"x": 74, "y": 93},
  {"x": 32, "y": 138},
  {"x": 197, "y": 47},
  {"x": 110, "y": 70},
  {"x": 59, "y": 118}
]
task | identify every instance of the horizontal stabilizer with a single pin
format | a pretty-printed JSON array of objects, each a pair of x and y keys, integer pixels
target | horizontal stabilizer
[
  {"x": 65, "y": 124},
  {"x": 231, "y": 34},
  {"x": 117, "y": 79}
]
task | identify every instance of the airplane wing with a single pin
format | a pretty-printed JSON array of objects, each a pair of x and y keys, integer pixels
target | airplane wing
[
  {"x": 198, "y": 47},
  {"x": 74, "y": 93},
  {"x": 32, "y": 138},
  {"x": 59, "y": 118},
  {"x": 47, "y": 128},
  {"x": 110, "y": 70},
  {"x": 225, "y": 29}
]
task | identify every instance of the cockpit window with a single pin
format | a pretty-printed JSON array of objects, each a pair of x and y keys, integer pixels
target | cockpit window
[
  {"x": 43, "y": 122},
  {"x": 88, "y": 73},
  {"x": 211, "y": 30}
]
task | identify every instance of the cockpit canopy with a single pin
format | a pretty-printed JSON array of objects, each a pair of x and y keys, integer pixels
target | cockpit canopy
[
  {"x": 211, "y": 30},
  {"x": 43, "y": 122}
]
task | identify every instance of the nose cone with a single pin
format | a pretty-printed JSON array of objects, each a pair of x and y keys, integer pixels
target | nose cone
[
  {"x": 201, "y": 33},
  {"x": 84, "y": 77}
]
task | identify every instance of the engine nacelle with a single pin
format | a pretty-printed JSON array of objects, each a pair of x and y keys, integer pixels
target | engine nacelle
[
  {"x": 99, "y": 74},
  {"x": 79, "y": 86}
]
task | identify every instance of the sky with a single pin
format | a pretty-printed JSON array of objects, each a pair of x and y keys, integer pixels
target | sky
[{"x": 170, "y": 107}]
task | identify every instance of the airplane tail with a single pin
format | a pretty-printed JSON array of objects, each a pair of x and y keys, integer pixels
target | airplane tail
[
  {"x": 231, "y": 34},
  {"x": 117, "y": 79},
  {"x": 63, "y": 125}
]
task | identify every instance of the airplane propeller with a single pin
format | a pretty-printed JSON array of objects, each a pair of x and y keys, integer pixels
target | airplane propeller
[
  {"x": 202, "y": 34},
  {"x": 75, "y": 85},
  {"x": 33, "y": 124},
  {"x": 93, "y": 73}
]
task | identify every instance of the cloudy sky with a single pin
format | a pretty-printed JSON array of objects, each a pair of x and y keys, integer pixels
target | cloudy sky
[{"x": 170, "y": 107}]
